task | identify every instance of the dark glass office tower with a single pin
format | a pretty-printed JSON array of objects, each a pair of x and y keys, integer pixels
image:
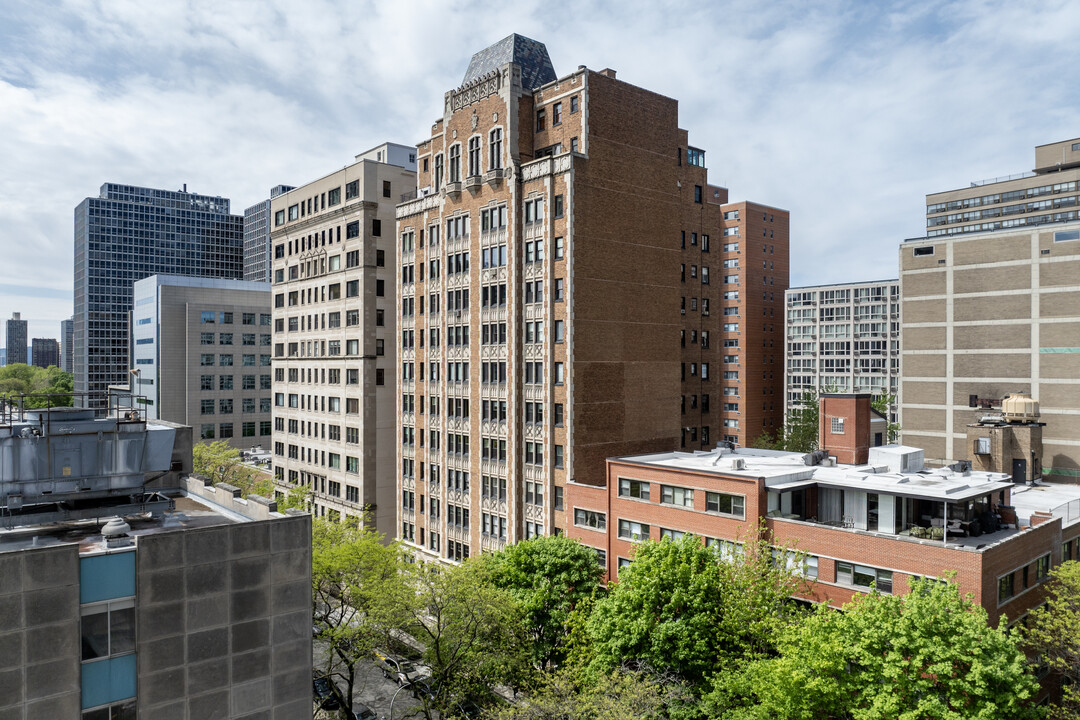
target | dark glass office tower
[{"x": 126, "y": 234}]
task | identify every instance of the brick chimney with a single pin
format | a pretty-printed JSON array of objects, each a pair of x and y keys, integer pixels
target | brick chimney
[{"x": 844, "y": 426}]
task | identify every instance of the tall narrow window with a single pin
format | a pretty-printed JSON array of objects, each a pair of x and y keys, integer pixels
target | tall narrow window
[
  {"x": 474, "y": 156},
  {"x": 495, "y": 149},
  {"x": 438, "y": 172},
  {"x": 455, "y": 164}
]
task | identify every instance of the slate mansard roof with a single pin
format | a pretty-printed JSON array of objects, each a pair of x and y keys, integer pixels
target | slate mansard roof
[{"x": 530, "y": 55}]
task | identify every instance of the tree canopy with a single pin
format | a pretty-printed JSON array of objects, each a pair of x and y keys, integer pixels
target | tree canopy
[
  {"x": 686, "y": 608},
  {"x": 926, "y": 655},
  {"x": 1053, "y": 633},
  {"x": 357, "y": 588},
  {"x": 548, "y": 577},
  {"x": 18, "y": 378}
]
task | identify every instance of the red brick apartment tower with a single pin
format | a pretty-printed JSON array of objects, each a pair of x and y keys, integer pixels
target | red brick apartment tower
[{"x": 539, "y": 296}]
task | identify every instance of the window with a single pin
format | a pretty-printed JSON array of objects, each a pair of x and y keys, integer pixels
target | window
[
  {"x": 574, "y": 106},
  {"x": 923, "y": 251},
  {"x": 495, "y": 149},
  {"x": 279, "y": 218},
  {"x": 697, "y": 194},
  {"x": 725, "y": 504},
  {"x": 455, "y": 164},
  {"x": 671, "y": 495},
  {"x": 836, "y": 426},
  {"x": 629, "y": 530},
  {"x": 474, "y": 156},
  {"x": 556, "y": 114},
  {"x": 862, "y": 576},
  {"x": 541, "y": 120},
  {"x": 633, "y": 488},
  {"x": 558, "y": 206},
  {"x": 1042, "y": 568},
  {"x": 590, "y": 519},
  {"x": 1005, "y": 587},
  {"x": 1067, "y": 235}
]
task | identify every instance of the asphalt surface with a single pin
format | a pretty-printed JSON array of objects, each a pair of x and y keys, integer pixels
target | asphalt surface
[{"x": 371, "y": 688}]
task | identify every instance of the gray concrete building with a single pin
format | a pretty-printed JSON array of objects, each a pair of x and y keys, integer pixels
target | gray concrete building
[
  {"x": 67, "y": 342},
  {"x": 45, "y": 352},
  {"x": 257, "y": 237},
  {"x": 195, "y": 610},
  {"x": 201, "y": 355},
  {"x": 842, "y": 338},
  {"x": 16, "y": 335},
  {"x": 128, "y": 233},
  {"x": 993, "y": 307},
  {"x": 335, "y": 425}
]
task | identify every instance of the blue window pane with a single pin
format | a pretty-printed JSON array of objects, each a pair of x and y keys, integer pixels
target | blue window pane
[
  {"x": 105, "y": 577},
  {"x": 107, "y": 681}
]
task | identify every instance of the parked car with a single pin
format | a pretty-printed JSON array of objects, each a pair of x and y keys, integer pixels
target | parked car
[
  {"x": 398, "y": 669},
  {"x": 325, "y": 693},
  {"x": 360, "y": 711}
]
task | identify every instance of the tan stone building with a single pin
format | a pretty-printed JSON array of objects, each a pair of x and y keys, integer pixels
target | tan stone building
[
  {"x": 991, "y": 306},
  {"x": 334, "y": 335},
  {"x": 570, "y": 285}
]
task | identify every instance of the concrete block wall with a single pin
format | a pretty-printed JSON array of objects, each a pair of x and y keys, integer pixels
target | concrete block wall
[
  {"x": 224, "y": 621},
  {"x": 39, "y": 634}
]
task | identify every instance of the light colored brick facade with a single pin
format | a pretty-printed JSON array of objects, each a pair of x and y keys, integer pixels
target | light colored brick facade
[
  {"x": 334, "y": 335},
  {"x": 539, "y": 299}
]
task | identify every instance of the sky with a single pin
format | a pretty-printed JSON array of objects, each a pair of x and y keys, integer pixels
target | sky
[{"x": 844, "y": 113}]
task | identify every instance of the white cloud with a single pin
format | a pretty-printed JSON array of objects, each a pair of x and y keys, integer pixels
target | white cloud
[{"x": 845, "y": 113}]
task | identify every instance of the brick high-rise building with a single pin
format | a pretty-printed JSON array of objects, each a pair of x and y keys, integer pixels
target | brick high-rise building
[
  {"x": 541, "y": 302},
  {"x": 333, "y": 335}
]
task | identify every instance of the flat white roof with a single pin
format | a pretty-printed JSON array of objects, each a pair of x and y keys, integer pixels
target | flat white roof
[{"x": 784, "y": 471}]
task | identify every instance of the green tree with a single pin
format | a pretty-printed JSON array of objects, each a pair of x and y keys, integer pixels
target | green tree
[
  {"x": 1053, "y": 632},
  {"x": 472, "y": 632},
  {"x": 549, "y": 577},
  {"x": 926, "y": 655},
  {"x": 884, "y": 405},
  {"x": 619, "y": 695},
  {"x": 53, "y": 386},
  {"x": 800, "y": 432},
  {"x": 220, "y": 462},
  {"x": 682, "y": 607},
  {"x": 357, "y": 588}
]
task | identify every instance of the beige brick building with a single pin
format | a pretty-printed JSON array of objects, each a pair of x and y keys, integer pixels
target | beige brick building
[
  {"x": 334, "y": 335},
  {"x": 568, "y": 280},
  {"x": 993, "y": 307}
]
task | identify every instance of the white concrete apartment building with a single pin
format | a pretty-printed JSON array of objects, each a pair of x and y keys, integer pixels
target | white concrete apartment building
[
  {"x": 991, "y": 306},
  {"x": 200, "y": 355},
  {"x": 334, "y": 276},
  {"x": 843, "y": 338}
]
